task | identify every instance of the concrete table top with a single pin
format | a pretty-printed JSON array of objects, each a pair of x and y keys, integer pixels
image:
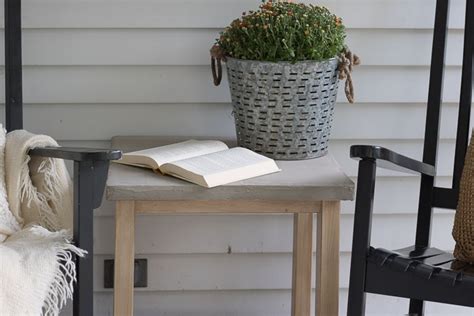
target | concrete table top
[{"x": 319, "y": 179}]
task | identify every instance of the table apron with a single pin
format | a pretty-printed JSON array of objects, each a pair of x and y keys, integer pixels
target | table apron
[{"x": 227, "y": 206}]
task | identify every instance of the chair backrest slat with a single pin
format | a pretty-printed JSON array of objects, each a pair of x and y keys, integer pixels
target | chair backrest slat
[
  {"x": 434, "y": 106},
  {"x": 436, "y": 82},
  {"x": 448, "y": 197},
  {"x": 13, "y": 66},
  {"x": 433, "y": 113}
]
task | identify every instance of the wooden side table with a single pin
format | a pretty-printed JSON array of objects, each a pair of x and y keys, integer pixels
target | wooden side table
[{"x": 302, "y": 188}]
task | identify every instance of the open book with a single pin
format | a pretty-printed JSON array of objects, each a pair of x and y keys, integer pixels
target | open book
[{"x": 207, "y": 163}]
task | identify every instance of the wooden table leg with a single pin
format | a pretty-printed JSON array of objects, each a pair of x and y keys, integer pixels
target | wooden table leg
[
  {"x": 327, "y": 263},
  {"x": 124, "y": 258},
  {"x": 302, "y": 264}
]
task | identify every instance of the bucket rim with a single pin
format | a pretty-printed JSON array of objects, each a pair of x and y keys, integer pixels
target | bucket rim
[{"x": 309, "y": 61}]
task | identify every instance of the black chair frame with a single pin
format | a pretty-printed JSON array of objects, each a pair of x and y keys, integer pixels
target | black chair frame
[
  {"x": 419, "y": 272},
  {"x": 90, "y": 165}
]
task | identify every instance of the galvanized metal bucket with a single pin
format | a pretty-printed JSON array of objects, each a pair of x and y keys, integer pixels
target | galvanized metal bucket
[{"x": 283, "y": 110}]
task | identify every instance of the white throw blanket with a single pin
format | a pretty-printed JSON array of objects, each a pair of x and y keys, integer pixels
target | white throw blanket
[{"x": 37, "y": 269}]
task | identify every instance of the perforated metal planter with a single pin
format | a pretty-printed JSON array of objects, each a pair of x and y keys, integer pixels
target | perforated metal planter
[{"x": 283, "y": 110}]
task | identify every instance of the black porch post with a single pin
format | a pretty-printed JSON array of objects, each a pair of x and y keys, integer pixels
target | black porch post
[{"x": 13, "y": 73}]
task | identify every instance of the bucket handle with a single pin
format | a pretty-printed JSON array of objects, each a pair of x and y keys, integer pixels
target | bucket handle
[
  {"x": 347, "y": 60},
  {"x": 217, "y": 56},
  {"x": 216, "y": 67}
]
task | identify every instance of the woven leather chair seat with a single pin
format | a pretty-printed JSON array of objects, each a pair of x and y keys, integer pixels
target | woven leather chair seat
[{"x": 429, "y": 268}]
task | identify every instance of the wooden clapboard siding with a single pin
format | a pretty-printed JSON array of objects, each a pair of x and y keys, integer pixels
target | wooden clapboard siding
[
  {"x": 255, "y": 233},
  {"x": 244, "y": 303},
  {"x": 192, "y": 84},
  {"x": 210, "y": 272},
  {"x": 99, "y": 68},
  {"x": 217, "y": 13},
  {"x": 384, "y": 122},
  {"x": 395, "y": 47}
]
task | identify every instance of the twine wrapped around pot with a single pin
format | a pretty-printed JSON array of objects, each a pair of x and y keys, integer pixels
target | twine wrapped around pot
[{"x": 463, "y": 230}]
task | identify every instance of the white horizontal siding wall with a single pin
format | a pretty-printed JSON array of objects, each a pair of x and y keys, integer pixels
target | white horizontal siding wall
[{"x": 99, "y": 68}]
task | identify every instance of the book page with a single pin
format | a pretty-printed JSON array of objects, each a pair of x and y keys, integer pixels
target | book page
[
  {"x": 222, "y": 167},
  {"x": 174, "y": 152}
]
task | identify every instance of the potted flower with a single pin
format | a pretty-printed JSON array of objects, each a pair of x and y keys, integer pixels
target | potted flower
[{"x": 283, "y": 65}]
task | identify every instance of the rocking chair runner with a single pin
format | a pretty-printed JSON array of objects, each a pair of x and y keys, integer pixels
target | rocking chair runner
[
  {"x": 90, "y": 165},
  {"x": 419, "y": 272}
]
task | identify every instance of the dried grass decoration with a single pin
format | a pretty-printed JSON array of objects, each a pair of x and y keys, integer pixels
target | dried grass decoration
[{"x": 463, "y": 230}]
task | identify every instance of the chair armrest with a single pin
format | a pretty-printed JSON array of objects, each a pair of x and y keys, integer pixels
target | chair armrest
[
  {"x": 389, "y": 159},
  {"x": 77, "y": 154},
  {"x": 90, "y": 171}
]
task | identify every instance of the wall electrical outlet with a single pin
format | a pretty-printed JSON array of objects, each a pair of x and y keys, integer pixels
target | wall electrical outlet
[{"x": 140, "y": 273}]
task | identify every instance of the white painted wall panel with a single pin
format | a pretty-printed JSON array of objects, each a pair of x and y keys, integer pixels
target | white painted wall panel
[
  {"x": 244, "y": 303},
  {"x": 202, "y": 14},
  {"x": 189, "y": 84},
  {"x": 361, "y": 122},
  {"x": 255, "y": 233},
  {"x": 378, "y": 47},
  {"x": 100, "y": 68}
]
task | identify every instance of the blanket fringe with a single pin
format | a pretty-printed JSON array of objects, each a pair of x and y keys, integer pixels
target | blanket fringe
[
  {"x": 29, "y": 192},
  {"x": 61, "y": 288}
]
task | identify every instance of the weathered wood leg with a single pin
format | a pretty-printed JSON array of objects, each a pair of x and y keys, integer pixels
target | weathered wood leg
[
  {"x": 302, "y": 264},
  {"x": 327, "y": 263},
  {"x": 124, "y": 258}
]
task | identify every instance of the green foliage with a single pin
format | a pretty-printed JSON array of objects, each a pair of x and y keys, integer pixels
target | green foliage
[{"x": 284, "y": 31}]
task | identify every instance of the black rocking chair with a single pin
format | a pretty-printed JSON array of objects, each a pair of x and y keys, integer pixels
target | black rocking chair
[
  {"x": 419, "y": 272},
  {"x": 90, "y": 165}
]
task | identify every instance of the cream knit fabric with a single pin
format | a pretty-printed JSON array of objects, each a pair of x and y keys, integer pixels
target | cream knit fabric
[
  {"x": 8, "y": 223},
  {"x": 37, "y": 269},
  {"x": 39, "y": 189}
]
